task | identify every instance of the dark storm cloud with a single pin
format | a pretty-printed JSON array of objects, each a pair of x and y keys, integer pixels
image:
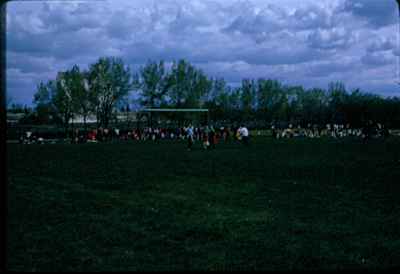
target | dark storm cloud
[
  {"x": 184, "y": 22},
  {"x": 62, "y": 45},
  {"x": 381, "y": 44},
  {"x": 124, "y": 25},
  {"x": 311, "y": 17},
  {"x": 337, "y": 38},
  {"x": 396, "y": 51},
  {"x": 276, "y": 56},
  {"x": 80, "y": 43},
  {"x": 255, "y": 55},
  {"x": 376, "y": 59},
  {"x": 327, "y": 68},
  {"x": 143, "y": 51},
  {"x": 58, "y": 32},
  {"x": 377, "y": 13},
  {"x": 35, "y": 44},
  {"x": 26, "y": 63},
  {"x": 73, "y": 19},
  {"x": 258, "y": 25}
]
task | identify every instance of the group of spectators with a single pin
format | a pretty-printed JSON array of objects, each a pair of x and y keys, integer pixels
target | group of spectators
[
  {"x": 30, "y": 137},
  {"x": 369, "y": 130},
  {"x": 210, "y": 135}
]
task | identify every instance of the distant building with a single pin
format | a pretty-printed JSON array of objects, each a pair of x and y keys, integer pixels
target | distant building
[
  {"x": 13, "y": 118},
  {"x": 91, "y": 119}
]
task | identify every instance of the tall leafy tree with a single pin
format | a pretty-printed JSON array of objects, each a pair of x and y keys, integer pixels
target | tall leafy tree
[
  {"x": 109, "y": 82},
  {"x": 313, "y": 102},
  {"x": 80, "y": 93},
  {"x": 218, "y": 99},
  {"x": 62, "y": 99},
  {"x": 76, "y": 92},
  {"x": 282, "y": 107},
  {"x": 43, "y": 101},
  {"x": 235, "y": 104},
  {"x": 337, "y": 97},
  {"x": 152, "y": 81},
  {"x": 247, "y": 97},
  {"x": 270, "y": 97},
  {"x": 105, "y": 87},
  {"x": 188, "y": 86}
]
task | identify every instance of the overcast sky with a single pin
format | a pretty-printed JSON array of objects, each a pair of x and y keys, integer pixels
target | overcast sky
[{"x": 309, "y": 43}]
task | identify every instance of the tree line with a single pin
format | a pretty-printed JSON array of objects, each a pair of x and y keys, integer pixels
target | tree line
[{"x": 106, "y": 86}]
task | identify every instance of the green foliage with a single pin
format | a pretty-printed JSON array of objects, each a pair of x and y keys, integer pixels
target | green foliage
[
  {"x": 106, "y": 87},
  {"x": 109, "y": 83},
  {"x": 189, "y": 86},
  {"x": 153, "y": 83},
  {"x": 78, "y": 84},
  {"x": 218, "y": 100},
  {"x": 271, "y": 99},
  {"x": 247, "y": 98},
  {"x": 62, "y": 99},
  {"x": 46, "y": 112}
]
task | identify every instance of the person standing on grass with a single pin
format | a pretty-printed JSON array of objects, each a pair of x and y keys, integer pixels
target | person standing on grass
[
  {"x": 385, "y": 132},
  {"x": 244, "y": 134},
  {"x": 367, "y": 131},
  {"x": 190, "y": 136},
  {"x": 211, "y": 137},
  {"x": 237, "y": 135},
  {"x": 206, "y": 142}
]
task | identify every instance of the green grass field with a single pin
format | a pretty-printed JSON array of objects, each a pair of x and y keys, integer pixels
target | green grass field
[{"x": 276, "y": 205}]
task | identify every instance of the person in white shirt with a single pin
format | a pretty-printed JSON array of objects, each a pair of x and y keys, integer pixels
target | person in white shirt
[
  {"x": 244, "y": 133},
  {"x": 190, "y": 134}
]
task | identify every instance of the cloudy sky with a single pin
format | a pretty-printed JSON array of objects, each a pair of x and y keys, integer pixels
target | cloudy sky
[{"x": 309, "y": 43}]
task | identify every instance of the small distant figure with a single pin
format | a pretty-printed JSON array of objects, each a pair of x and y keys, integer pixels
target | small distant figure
[
  {"x": 226, "y": 134},
  {"x": 116, "y": 132},
  {"x": 21, "y": 138},
  {"x": 190, "y": 136},
  {"x": 211, "y": 137},
  {"x": 367, "y": 131},
  {"x": 238, "y": 135},
  {"x": 106, "y": 135},
  {"x": 100, "y": 134},
  {"x": 92, "y": 136},
  {"x": 29, "y": 137},
  {"x": 274, "y": 132},
  {"x": 75, "y": 136},
  {"x": 244, "y": 134},
  {"x": 385, "y": 132},
  {"x": 206, "y": 142}
]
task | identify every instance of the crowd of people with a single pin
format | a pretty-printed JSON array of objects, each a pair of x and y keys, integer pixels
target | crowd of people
[
  {"x": 366, "y": 132},
  {"x": 209, "y": 136},
  {"x": 30, "y": 137}
]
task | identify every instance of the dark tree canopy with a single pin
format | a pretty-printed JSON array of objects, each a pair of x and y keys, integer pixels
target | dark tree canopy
[{"x": 105, "y": 88}]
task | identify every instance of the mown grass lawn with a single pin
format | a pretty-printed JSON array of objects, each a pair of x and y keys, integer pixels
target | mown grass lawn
[{"x": 276, "y": 205}]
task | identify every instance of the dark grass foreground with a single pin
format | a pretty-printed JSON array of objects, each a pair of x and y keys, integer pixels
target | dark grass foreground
[{"x": 277, "y": 205}]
